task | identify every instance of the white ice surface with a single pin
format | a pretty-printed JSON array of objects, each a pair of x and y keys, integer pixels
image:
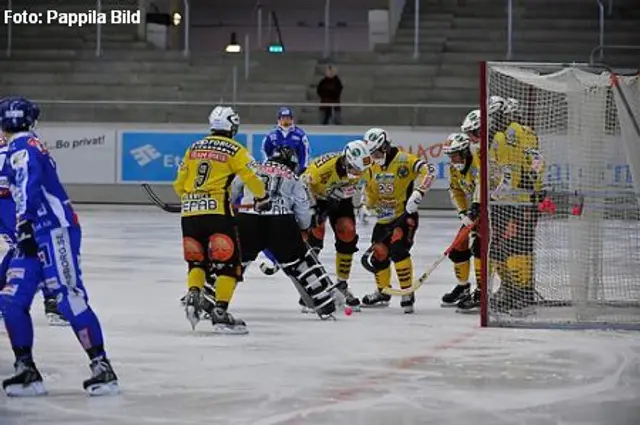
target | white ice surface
[{"x": 377, "y": 367}]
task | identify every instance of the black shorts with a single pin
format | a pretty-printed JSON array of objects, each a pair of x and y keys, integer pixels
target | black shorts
[
  {"x": 211, "y": 240},
  {"x": 513, "y": 230},
  {"x": 346, "y": 241},
  {"x": 397, "y": 237},
  {"x": 278, "y": 234}
]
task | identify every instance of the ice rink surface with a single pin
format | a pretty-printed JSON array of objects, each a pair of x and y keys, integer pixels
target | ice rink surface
[{"x": 378, "y": 367}]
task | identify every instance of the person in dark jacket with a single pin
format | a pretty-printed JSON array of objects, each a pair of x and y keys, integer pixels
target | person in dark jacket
[{"x": 329, "y": 90}]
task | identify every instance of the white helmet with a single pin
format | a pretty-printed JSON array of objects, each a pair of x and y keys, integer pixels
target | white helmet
[
  {"x": 471, "y": 122},
  {"x": 224, "y": 118},
  {"x": 460, "y": 143},
  {"x": 376, "y": 140},
  {"x": 496, "y": 103},
  {"x": 511, "y": 106},
  {"x": 357, "y": 158}
]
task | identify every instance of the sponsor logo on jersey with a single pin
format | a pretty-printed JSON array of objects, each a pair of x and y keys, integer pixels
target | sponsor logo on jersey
[
  {"x": 38, "y": 145},
  {"x": 219, "y": 145},
  {"x": 197, "y": 202},
  {"x": 209, "y": 155},
  {"x": 15, "y": 273},
  {"x": 403, "y": 171}
]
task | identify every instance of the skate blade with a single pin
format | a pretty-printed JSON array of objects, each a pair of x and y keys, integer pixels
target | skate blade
[
  {"x": 55, "y": 320},
  {"x": 449, "y": 305},
  {"x": 105, "y": 389},
  {"x": 35, "y": 389},
  {"x": 383, "y": 304},
  {"x": 192, "y": 316},
  {"x": 469, "y": 311},
  {"x": 307, "y": 310},
  {"x": 221, "y": 329}
]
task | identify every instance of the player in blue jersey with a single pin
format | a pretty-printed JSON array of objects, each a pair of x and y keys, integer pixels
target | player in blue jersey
[
  {"x": 47, "y": 250},
  {"x": 285, "y": 134}
]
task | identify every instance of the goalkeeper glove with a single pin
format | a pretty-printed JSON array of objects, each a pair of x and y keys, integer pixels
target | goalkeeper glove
[
  {"x": 27, "y": 244},
  {"x": 473, "y": 214}
]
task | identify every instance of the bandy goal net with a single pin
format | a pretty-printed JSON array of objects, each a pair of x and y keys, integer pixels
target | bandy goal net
[{"x": 561, "y": 189}]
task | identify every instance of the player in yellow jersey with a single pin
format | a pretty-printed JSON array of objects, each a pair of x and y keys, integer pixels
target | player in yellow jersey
[
  {"x": 333, "y": 179},
  {"x": 209, "y": 236},
  {"x": 515, "y": 217},
  {"x": 464, "y": 189},
  {"x": 394, "y": 188}
]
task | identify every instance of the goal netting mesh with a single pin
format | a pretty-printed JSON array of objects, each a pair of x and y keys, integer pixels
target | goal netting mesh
[{"x": 563, "y": 162}]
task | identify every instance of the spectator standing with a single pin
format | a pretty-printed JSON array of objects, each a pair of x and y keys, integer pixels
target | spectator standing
[{"x": 329, "y": 90}]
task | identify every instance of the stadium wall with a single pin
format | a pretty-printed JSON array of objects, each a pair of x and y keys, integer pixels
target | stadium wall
[{"x": 105, "y": 163}]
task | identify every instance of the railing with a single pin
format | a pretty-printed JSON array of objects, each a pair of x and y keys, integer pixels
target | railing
[
  {"x": 394, "y": 114},
  {"x": 601, "y": 48}
]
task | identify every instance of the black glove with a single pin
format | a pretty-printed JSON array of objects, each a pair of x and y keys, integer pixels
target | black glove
[
  {"x": 474, "y": 211},
  {"x": 262, "y": 204},
  {"x": 26, "y": 239}
]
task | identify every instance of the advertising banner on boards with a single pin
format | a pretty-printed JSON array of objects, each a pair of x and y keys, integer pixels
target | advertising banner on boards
[
  {"x": 82, "y": 154},
  {"x": 155, "y": 156}
]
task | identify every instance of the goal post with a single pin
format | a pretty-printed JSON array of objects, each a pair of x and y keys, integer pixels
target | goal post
[{"x": 560, "y": 196}]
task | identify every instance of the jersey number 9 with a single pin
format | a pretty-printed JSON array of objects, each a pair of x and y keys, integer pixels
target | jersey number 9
[{"x": 202, "y": 173}]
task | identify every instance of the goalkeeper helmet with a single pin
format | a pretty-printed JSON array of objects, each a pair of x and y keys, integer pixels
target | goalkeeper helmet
[
  {"x": 378, "y": 143},
  {"x": 224, "y": 120},
  {"x": 458, "y": 150},
  {"x": 357, "y": 158}
]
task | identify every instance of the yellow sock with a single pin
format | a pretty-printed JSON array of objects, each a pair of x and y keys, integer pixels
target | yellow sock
[
  {"x": 462, "y": 271},
  {"x": 404, "y": 271},
  {"x": 343, "y": 265},
  {"x": 383, "y": 278},
  {"x": 520, "y": 270},
  {"x": 477, "y": 271},
  {"x": 196, "y": 278},
  {"x": 225, "y": 287}
]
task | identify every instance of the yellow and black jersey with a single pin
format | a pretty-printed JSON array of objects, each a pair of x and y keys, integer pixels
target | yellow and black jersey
[
  {"x": 388, "y": 187},
  {"x": 517, "y": 155},
  {"x": 204, "y": 177},
  {"x": 326, "y": 177},
  {"x": 464, "y": 186}
]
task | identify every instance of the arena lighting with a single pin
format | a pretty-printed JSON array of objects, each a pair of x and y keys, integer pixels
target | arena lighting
[
  {"x": 233, "y": 46},
  {"x": 176, "y": 19},
  {"x": 276, "y": 48}
]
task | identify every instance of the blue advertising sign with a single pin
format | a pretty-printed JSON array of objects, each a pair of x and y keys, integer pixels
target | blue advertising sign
[
  {"x": 155, "y": 156},
  {"x": 319, "y": 144}
]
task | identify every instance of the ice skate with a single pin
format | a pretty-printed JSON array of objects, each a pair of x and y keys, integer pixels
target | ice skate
[
  {"x": 350, "y": 300},
  {"x": 512, "y": 300},
  {"x": 103, "y": 379},
  {"x": 192, "y": 306},
  {"x": 225, "y": 323},
  {"x": 376, "y": 299},
  {"x": 304, "y": 309},
  {"x": 207, "y": 301},
  {"x": 27, "y": 381},
  {"x": 470, "y": 304},
  {"x": 460, "y": 292},
  {"x": 51, "y": 311},
  {"x": 407, "y": 303}
]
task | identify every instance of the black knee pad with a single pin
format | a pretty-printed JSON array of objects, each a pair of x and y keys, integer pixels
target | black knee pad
[
  {"x": 398, "y": 254},
  {"x": 347, "y": 247},
  {"x": 460, "y": 256},
  {"x": 371, "y": 264}
]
